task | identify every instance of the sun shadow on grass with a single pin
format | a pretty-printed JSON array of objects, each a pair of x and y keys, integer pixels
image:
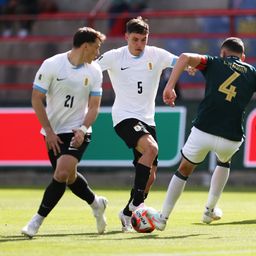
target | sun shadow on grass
[
  {"x": 5, "y": 239},
  {"x": 106, "y": 236},
  {"x": 22, "y": 237},
  {"x": 242, "y": 222},
  {"x": 156, "y": 236}
]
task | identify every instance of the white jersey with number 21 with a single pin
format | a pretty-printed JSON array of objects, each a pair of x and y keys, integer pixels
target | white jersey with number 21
[{"x": 68, "y": 89}]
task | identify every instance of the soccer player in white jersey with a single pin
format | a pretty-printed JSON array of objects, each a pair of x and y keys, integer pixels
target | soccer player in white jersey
[
  {"x": 135, "y": 71},
  {"x": 71, "y": 84}
]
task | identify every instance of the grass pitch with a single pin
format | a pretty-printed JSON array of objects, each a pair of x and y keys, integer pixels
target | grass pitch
[{"x": 70, "y": 229}]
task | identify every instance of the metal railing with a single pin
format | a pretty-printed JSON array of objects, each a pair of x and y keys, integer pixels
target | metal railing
[{"x": 91, "y": 19}]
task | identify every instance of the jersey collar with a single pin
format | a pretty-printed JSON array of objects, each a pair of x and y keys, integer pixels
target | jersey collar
[
  {"x": 233, "y": 57},
  {"x": 135, "y": 57}
]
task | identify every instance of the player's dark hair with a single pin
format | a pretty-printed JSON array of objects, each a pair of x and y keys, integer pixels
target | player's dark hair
[
  {"x": 87, "y": 35},
  {"x": 137, "y": 25},
  {"x": 233, "y": 44}
]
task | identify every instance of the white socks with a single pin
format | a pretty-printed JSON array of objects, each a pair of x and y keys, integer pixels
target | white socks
[
  {"x": 218, "y": 182},
  {"x": 175, "y": 189},
  {"x": 177, "y": 185}
]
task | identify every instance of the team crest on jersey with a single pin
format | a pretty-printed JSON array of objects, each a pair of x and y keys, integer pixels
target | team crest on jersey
[
  {"x": 86, "y": 81},
  {"x": 150, "y": 65},
  {"x": 40, "y": 77}
]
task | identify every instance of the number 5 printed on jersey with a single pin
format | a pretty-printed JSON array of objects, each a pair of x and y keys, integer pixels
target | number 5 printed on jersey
[{"x": 139, "y": 87}]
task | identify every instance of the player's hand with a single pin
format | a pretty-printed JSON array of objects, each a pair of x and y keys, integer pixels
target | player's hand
[
  {"x": 169, "y": 97},
  {"x": 191, "y": 70},
  {"x": 77, "y": 139},
  {"x": 53, "y": 142}
]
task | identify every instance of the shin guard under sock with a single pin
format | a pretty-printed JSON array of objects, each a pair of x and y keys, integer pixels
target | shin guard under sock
[
  {"x": 81, "y": 189},
  {"x": 52, "y": 195}
]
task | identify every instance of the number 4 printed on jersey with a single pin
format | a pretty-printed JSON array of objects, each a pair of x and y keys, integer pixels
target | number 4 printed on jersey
[{"x": 227, "y": 88}]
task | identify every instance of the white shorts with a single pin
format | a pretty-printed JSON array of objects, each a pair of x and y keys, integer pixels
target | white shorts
[{"x": 200, "y": 143}]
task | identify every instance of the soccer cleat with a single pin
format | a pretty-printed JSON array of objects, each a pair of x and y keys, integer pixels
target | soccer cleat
[
  {"x": 159, "y": 221},
  {"x": 99, "y": 214},
  {"x": 211, "y": 215},
  {"x": 133, "y": 207},
  {"x": 126, "y": 222},
  {"x": 33, "y": 226}
]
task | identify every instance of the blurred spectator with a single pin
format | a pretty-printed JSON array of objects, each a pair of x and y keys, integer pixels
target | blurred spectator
[
  {"x": 19, "y": 7},
  {"x": 118, "y": 8},
  {"x": 2, "y": 4},
  {"x": 136, "y": 6},
  {"x": 48, "y": 6},
  {"x": 24, "y": 7},
  {"x": 244, "y": 24},
  {"x": 214, "y": 24},
  {"x": 242, "y": 4}
]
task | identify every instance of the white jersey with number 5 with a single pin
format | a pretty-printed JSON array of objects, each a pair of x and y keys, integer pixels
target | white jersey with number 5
[
  {"x": 68, "y": 89},
  {"x": 135, "y": 81}
]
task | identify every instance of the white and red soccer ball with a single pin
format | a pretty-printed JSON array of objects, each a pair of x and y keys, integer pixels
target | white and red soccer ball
[{"x": 142, "y": 219}]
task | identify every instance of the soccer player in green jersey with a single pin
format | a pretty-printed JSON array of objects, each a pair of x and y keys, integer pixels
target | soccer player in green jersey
[{"x": 230, "y": 84}]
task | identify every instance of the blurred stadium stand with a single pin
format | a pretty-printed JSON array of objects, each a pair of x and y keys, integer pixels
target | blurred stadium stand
[{"x": 177, "y": 26}]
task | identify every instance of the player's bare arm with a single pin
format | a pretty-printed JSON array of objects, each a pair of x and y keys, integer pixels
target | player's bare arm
[
  {"x": 185, "y": 60},
  {"x": 93, "y": 110},
  {"x": 52, "y": 140}
]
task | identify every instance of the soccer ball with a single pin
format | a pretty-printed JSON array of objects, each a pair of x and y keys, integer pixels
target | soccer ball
[{"x": 141, "y": 219}]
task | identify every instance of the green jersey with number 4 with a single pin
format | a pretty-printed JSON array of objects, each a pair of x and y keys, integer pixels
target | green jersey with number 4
[{"x": 230, "y": 84}]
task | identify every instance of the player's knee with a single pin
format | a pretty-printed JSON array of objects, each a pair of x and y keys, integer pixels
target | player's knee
[
  {"x": 71, "y": 179},
  {"x": 61, "y": 176},
  {"x": 185, "y": 172},
  {"x": 153, "y": 150},
  {"x": 186, "y": 168}
]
